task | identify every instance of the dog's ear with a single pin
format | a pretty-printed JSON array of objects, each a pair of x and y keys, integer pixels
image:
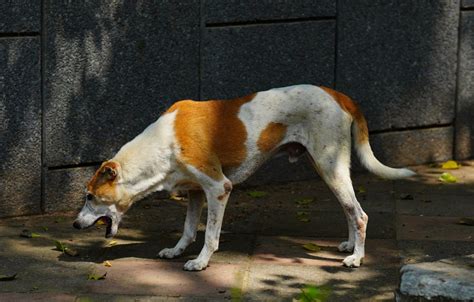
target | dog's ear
[{"x": 110, "y": 170}]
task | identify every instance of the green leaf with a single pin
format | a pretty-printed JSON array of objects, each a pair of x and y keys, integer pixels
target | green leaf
[
  {"x": 96, "y": 277},
  {"x": 312, "y": 247},
  {"x": 361, "y": 190},
  {"x": 304, "y": 201},
  {"x": 60, "y": 246},
  {"x": 45, "y": 228},
  {"x": 313, "y": 293},
  {"x": 7, "y": 277},
  {"x": 35, "y": 235},
  {"x": 448, "y": 178},
  {"x": 257, "y": 194}
]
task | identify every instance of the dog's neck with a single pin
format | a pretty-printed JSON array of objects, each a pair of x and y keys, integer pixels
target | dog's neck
[{"x": 146, "y": 160}]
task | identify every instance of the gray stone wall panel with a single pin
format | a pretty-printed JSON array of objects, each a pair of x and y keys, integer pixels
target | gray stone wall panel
[
  {"x": 20, "y": 16},
  {"x": 111, "y": 68},
  {"x": 20, "y": 126},
  {"x": 465, "y": 103},
  {"x": 412, "y": 147},
  {"x": 238, "y": 60},
  {"x": 468, "y": 3},
  {"x": 398, "y": 59},
  {"x": 218, "y": 11}
]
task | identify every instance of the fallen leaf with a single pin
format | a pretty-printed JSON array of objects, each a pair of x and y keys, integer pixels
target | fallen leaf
[
  {"x": 361, "y": 190},
  {"x": 466, "y": 221},
  {"x": 257, "y": 194},
  {"x": 29, "y": 234},
  {"x": 312, "y": 293},
  {"x": 448, "y": 178},
  {"x": 45, "y": 228},
  {"x": 107, "y": 263},
  {"x": 304, "y": 201},
  {"x": 113, "y": 242},
  {"x": 101, "y": 221},
  {"x": 7, "y": 277},
  {"x": 406, "y": 197},
  {"x": 302, "y": 216},
  {"x": 450, "y": 165},
  {"x": 71, "y": 252},
  {"x": 96, "y": 277},
  {"x": 312, "y": 247},
  {"x": 60, "y": 246}
]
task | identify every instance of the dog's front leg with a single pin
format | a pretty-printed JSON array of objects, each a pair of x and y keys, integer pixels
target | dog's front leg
[
  {"x": 195, "y": 203},
  {"x": 216, "y": 203}
]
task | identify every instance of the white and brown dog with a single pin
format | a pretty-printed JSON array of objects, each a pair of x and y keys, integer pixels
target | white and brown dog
[{"x": 207, "y": 147}]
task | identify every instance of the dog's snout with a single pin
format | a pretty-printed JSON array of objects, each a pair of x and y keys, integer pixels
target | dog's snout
[{"x": 77, "y": 225}]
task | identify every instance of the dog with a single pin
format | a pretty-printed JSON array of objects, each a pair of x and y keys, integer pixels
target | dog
[{"x": 206, "y": 147}]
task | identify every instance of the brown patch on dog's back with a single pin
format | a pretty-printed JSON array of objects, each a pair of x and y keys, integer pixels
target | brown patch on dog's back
[
  {"x": 351, "y": 107},
  {"x": 210, "y": 134},
  {"x": 102, "y": 184},
  {"x": 271, "y": 136}
]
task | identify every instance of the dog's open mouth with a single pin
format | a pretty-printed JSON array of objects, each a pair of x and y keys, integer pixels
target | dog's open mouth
[{"x": 108, "y": 223}]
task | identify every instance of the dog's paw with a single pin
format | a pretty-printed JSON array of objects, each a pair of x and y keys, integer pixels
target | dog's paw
[
  {"x": 346, "y": 247},
  {"x": 168, "y": 253},
  {"x": 195, "y": 265},
  {"x": 352, "y": 261}
]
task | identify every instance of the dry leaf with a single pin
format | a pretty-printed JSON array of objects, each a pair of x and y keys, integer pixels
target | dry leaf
[
  {"x": 96, "y": 277},
  {"x": 113, "y": 242},
  {"x": 466, "y": 221},
  {"x": 101, "y": 222},
  {"x": 312, "y": 247},
  {"x": 448, "y": 178},
  {"x": 361, "y": 190},
  {"x": 257, "y": 194},
  {"x": 107, "y": 263},
  {"x": 450, "y": 165}
]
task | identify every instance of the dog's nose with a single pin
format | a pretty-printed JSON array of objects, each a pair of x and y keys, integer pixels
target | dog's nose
[{"x": 77, "y": 225}]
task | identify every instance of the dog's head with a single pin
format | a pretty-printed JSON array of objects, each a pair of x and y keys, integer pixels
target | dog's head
[{"x": 105, "y": 199}]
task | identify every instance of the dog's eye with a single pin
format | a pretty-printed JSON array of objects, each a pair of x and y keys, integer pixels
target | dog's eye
[{"x": 89, "y": 196}]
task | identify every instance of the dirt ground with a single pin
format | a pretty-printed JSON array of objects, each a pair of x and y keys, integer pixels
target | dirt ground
[{"x": 262, "y": 254}]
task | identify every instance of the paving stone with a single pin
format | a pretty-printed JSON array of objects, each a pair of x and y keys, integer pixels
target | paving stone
[
  {"x": 111, "y": 68},
  {"x": 435, "y": 205},
  {"x": 411, "y": 147},
  {"x": 465, "y": 102},
  {"x": 444, "y": 280},
  {"x": 147, "y": 277},
  {"x": 416, "y": 251},
  {"x": 20, "y": 126},
  {"x": 289, "y": 251},
  {"x": 266, "y": 56},
  {"x": 266, "y": 282},
  {"x": 41, "y": 297},
  {"x": 216, "y": 11},
  {"x": 432, "y": 228},
  {"x": 20, "y": 16},
  {"x": 398, "y": 60}
]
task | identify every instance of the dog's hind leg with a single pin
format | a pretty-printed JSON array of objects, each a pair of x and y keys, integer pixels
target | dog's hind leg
[
  {"x": 195, "y": 203},
  {"x": 332, "y": 161}
]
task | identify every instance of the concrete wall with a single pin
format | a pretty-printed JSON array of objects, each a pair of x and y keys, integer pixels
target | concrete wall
[{"x": 78, "y": 79}]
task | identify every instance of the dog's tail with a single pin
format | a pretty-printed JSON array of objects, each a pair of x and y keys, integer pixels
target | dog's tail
[{"x": 364, "y": 151}]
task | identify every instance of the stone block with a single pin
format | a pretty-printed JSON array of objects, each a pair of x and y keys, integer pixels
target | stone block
[
  {"x": 20, "y": 126},
  {"x": 216, "y": 11},
  {"x": 398, "y": 60},
  {"x": 467, "y": 3},
  {"x": 239, "y": 60},
  {"x": 444, "y": 280},
  {"x": 465, "y": 103},
  {"x": 111, "y": 68},
  {"x": 65, "y": 189},
  {"x": 20, "y": 16},
  {"x": 411, "y": 147}
]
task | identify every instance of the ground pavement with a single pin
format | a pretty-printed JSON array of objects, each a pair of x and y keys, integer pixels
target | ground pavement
[{"x": 262, "y": 255}]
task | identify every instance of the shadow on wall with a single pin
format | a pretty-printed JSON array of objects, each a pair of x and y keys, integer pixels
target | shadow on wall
[{"x": 20, "y": 126}]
